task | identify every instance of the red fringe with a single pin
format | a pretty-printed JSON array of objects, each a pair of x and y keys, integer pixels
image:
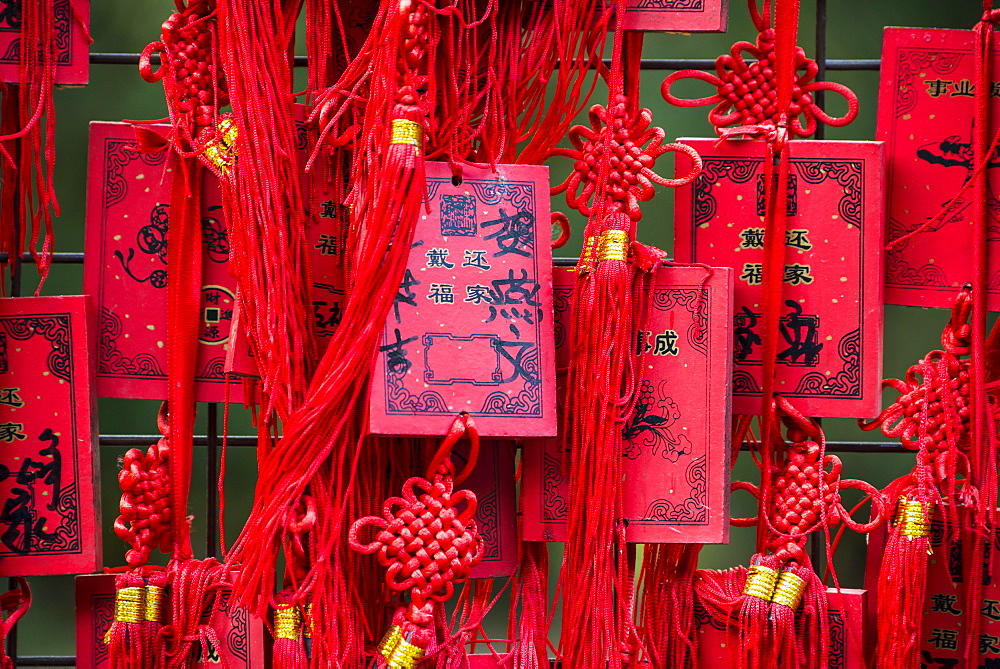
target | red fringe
[
  {"x": 757, "y": 633},
  {"x": 529, "y": 624},
  {"x": 902, "y": 587},
  {"x": 128, "y": 642},
  {"x": 600, "y": 376},
  {"x": 666, "y": 616},
  {"x": 189, "y": 635}
]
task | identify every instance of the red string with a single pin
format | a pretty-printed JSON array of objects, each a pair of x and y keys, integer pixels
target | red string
[{"x": 27, "y": 142}]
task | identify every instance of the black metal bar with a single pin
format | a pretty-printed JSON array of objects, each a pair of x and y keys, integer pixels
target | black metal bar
[
  {"x": 57, "y": 258},
  {"x": 212, "y": 480},
  {"x": 48, "y": 661},
  {"x": 820, "y": 59},
  {"x": 647, "y": 63},
  {"x": 122, "y": 440}
]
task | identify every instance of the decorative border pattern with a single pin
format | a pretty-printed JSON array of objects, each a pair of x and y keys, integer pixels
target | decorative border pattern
[
  {"x": 55, "y": 329},
  {"x": 693, "y": 509},
  {"x": 667, "y": 5},
  {"x": 64, "y": 37},
  {"x": 527, "y": 402}
]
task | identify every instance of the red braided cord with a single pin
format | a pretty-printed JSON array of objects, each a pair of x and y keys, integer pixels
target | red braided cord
[
  {"x": 427, "y": 540},
  {"x": 27, "y": 141},
  {"x": 144, "y": 521},
  {"x": 750, "y": 95}
]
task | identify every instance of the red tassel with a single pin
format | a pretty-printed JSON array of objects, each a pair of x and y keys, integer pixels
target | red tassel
[
  {"x": 153, "y": 614},
  {"x": 530, "y": 624},
  {"x": 666, "y": 616},
  {"x": 814, "y": 625},
  {"x": 127, "y": 638},
  {"x": 190, "y": 634},
  {"x": 289, "y": 649},
  {"x": 756, "y": 633},
  {"x": 902, "y": 586}
]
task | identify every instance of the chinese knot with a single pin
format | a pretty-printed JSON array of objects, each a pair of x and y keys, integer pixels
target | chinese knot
[
  {"x": 631, "y": 177},
  {"x": 428, "y": 543},
  {"x": 747, "y": 94},
  {"x": 144, "y": 520}
]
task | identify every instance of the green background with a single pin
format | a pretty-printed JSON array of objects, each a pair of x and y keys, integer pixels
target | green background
[{"x": 117, "y": 92}]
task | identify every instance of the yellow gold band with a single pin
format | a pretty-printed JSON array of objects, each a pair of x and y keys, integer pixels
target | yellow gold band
[
  {"x": 405, "y": 131},
  {"x": 761, "y": 582}
]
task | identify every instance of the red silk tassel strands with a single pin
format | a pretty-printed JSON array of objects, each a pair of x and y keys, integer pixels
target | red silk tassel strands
[{"x": 27, "y": 140}]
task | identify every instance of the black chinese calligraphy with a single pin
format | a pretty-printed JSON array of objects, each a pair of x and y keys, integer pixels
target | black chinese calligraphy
[
  {"x": 395, "y": 355},
  {"x": 746, "y": 336},
  {"x": 515, "y": 234},
  {"x": 151, "y": 239},
  {"x": 215, "y": 237},
  {"x": 509, "y": 299},
  {"x": 405, "y": 294},
  {"x": 801, "y": 333},
  {"x": 11, "y": 13},
  {"x": 21, "y": 513}
]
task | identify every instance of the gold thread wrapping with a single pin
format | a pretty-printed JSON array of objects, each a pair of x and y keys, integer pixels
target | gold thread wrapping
[
  {"x": 307, "y": 629},
  {"x": 154, "y": 595},
  {"x": 405, "y": 131},
  {"x": 761, "y": 581},
  {"x": 587, "y": 257},
  {"x": 129, "y": 605},
  {"x": 227, "y": 133},
  {"x": 218, "y": 156},
  {"x": 286, "y": 623},
  {"x": 613, "y": 245},
  {"x": 392, "y": 637},
  {"x": 404, "y": 656},
  {"x": 789, "y": 590},
  {"x": 911, "y": 516}
]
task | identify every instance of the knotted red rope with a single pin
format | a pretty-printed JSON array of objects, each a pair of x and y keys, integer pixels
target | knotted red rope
[
  {"x": 933, "y": 415},
  {"x": 612, "y": 173},
  {"x": 748, "y": 94},
  {"x": 194, "y": 90},
  {"x": 797, "y": 494},
  {"x": 428, "y": 541}
]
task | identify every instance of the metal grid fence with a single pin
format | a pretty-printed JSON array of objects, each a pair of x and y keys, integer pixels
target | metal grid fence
[{"x": 211, "y": 439}]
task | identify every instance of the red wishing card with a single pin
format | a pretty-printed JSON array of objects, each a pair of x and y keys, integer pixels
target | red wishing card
[
  {"x": 830, "y": 333},
  {"x": 925, "y": 117},
  {"x": 492, "y": 481},
  {"x": 676, "y": 442},
  {"x": 677, "y": 15},
  {"x": 241, "y": 637},
  {"x": 72, "y": 21},
  {"x": 718, "y": 643},
  {"x": 471, "y": 326},
  {"x": 49, "y": 479},
  {"x": 128, "y": 215}
]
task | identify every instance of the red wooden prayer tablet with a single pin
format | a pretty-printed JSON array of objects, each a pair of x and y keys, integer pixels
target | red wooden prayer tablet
[
  {"x": 829, "y": 359},
  {"x": 471, "y": 326},
  {"x": 128, "y": 215},
  {"x": 677, "y": 15},
  {"x": 925, "y": 117},
  {"x": 677, "y": 441},
  {"x": 50, "y": 522}
]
